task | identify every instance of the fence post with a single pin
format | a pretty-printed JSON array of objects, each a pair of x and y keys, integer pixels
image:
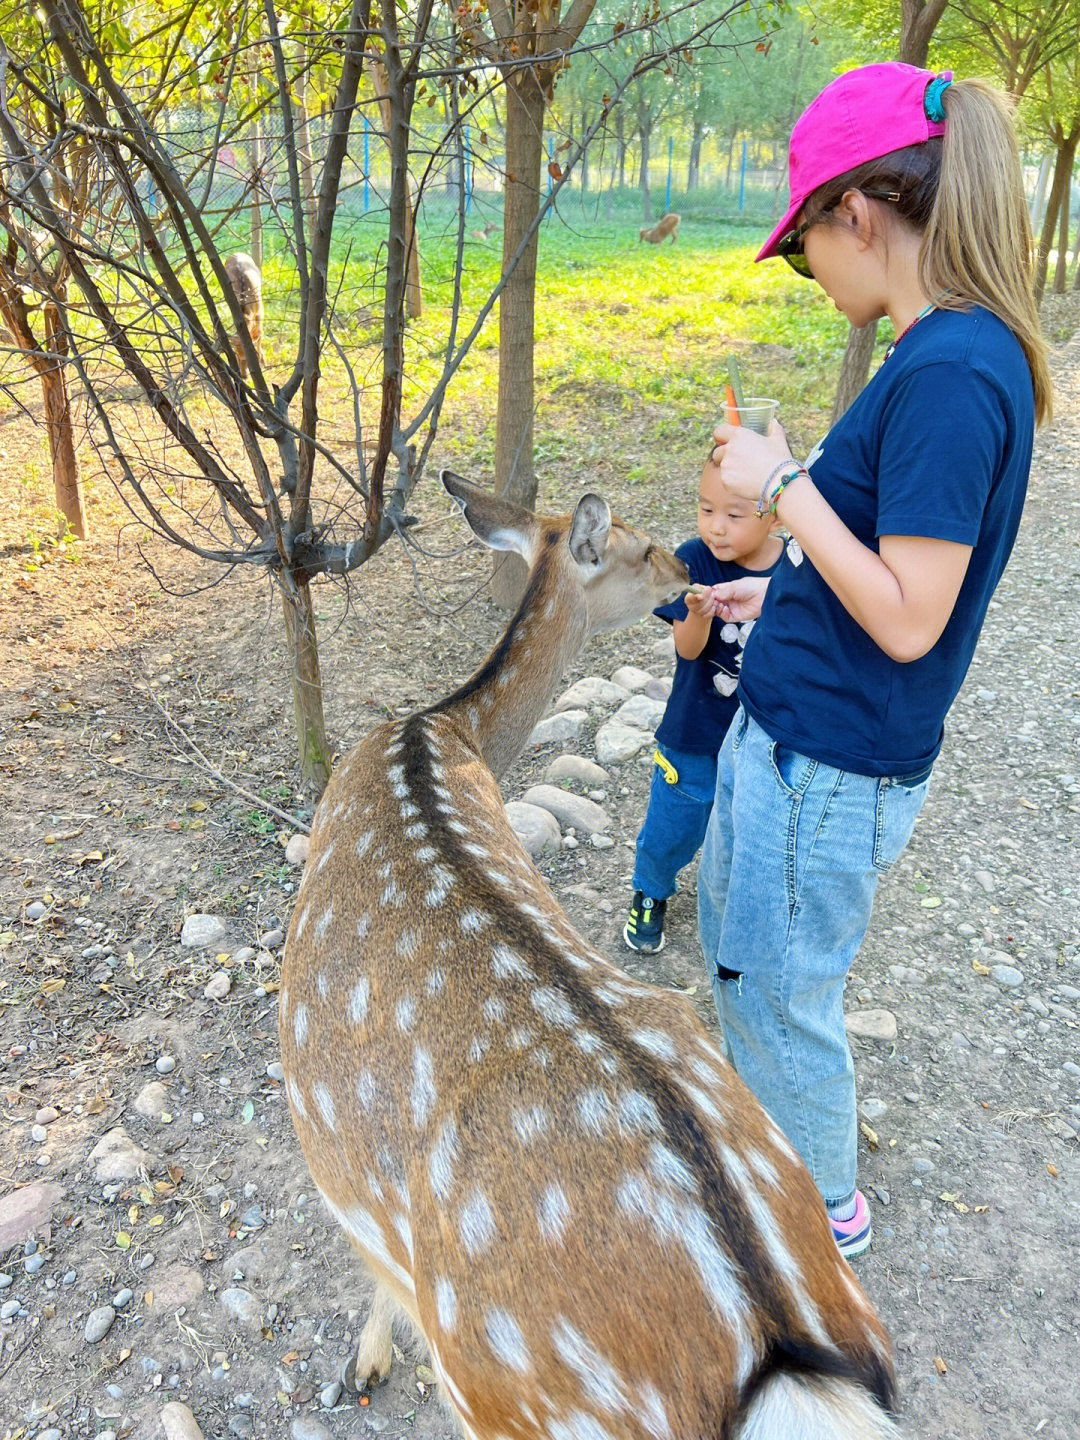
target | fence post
[
  {"x": 367, "y": 163},
  {"x": 742, "y": 178},
  {"x": 667, "y": 192},
  {"x": 468, "y": 172},
  {"x": 551, "y": 157}
]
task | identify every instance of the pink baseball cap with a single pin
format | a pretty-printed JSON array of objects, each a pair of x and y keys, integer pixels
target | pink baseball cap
[{"x": 859, "y": 116}]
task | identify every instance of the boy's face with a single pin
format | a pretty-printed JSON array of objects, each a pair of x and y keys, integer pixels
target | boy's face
[{"x": 727, "y": 524}]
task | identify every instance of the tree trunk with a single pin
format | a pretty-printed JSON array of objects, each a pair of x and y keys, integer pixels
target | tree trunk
[
  {"x": 693, "y": 168},
  {"x": 855, "y": 367},
  {"x": 1038, "y": 200},
  {"x": 1062, "y": 165},
  {"x": 620, "y": 141},
  {"x": 312, "y": 744},
  {"x": 515, "y": 478},
  {"x": 1061, "y": 268},
  {"x": 65, "y": 467},
  {"x": 585, "y": 155},
  {"x": 645, "y": 135},
  {"x": 256, "y": 193}
]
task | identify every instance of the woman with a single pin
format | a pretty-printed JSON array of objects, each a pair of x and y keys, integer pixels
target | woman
[{"x": 906, "y": 201}]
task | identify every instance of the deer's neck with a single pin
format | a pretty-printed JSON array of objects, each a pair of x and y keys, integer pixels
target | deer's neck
[{"x": 511, "y": 691}]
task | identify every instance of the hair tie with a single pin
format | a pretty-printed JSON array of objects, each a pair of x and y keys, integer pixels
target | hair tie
[{"x": 933, "y": 98}]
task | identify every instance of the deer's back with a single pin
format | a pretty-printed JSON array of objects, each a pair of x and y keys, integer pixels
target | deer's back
[{"x": 548, "y": 1163}]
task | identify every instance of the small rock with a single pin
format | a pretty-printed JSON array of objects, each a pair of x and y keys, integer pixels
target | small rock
[
  {"x": 632, "y": 677},
  {"x": 375, "y": 1423},
  {"x": 5, "y": 1280},
  {"x": 202, "y": 931},
  {"x": 330, "y": 1394},
  {"x": 147, "y": 1260},
  {"x": 567, "y": 725},
  {"x": 244, "y": 955},
  {"x": 872, "y": 1109},
  {"x": 309, "y": 1427},
  {"x": 296, "y": 851},
  {"x": 601, "y": 842},
  {"x": 275, "y": 1070},
  {"x": 38, "y": 1134},
  {"x": 242, "y": 1426},
  {"x": 22, "y": 1211},
  {"x": 152, "y": 1100},
  {"x": 273, "y": 938},
  {"x": 616, "y": 742},
  {"x": 1007, "y": 976},
  {"x": 570, "y": 810},
  {"x": 593, "y": 690},
  {"x": 575, "y": 767},
  {"x": 35, "y": 910},
  {"x": 179, "y": 1423},
  {"x": 51, "y": 1434},
  {"x": 882, "y": 1194},
  {"x": 641, "y": 711},
  {"x": 46, "y": 1115},
  {"x": 871, "y": 1024},
  {"x": 121, "y": 1298},
  {"x": 175, "y": 1287},
  {"x": 99, "y": 1323},
  {"x": 986, "y": 880},
  {"x": 9, "y": 1309},
  {"x": 253, "y": 1218},
  {"x": 243, "y": 1307},
  {"x": 535, "y": 827},
  {"x": 34, "y": 1263},
  {"x": 165, "y": 1064},
  {"x": 219, "y": 985}
]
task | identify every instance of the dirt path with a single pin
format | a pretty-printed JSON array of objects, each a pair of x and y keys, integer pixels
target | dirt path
[{"x": 241, "y": 1298}]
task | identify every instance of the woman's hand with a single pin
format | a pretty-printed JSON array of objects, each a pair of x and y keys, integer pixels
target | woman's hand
[
  {"x": 739, "y": 600},
  {"x": 745, "y": 458}
]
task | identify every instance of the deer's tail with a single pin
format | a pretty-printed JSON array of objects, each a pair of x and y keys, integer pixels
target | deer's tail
[{"x": 804, "y": 1406}]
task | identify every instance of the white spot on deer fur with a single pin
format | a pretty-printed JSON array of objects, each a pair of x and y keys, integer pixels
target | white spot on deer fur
[
  {"x": 595, "y": 1111},
  {"x": 423, "y": 1094},
  {"x": 302, "y": 922},
  {"x": 655, "y": 1042},
  {"x": 479, "y": 1047},
  {"x": 409, "y": 810},
  {"x": 415, "y": 832},
  {"x": 363, "y": 844},
  {"x": 587, "y": 1041},
  {"x": 359, "y": 1000},
  {"x": 404, "y": 1230},
  {"x": 474, "y": 716},
  {"x": 549, "y": 608},
  {"x": 457, "y": 827},
  {"x": 435, "y": 981},
  {"x": 443, "y": 1157},
  {"x": 300, "y": 1024},
  {"x": 366, "y": 1089},
  {"x": 408, "y": 943},
  {"x": 781, "y": 1257},
  {"x": 494, "y": 1009},
  {"x": 506, "y": 1340},
  {"x": 325, "y": 856},
  {"x": 296, "y": 1097},
  {"x": 638, "y": 1113},
  {"x": 441, "y": 882},
  {"x": 763, "y": 1167},
  {"x": 283, "y": 1000},
  {"x": 704, "y": 1103},
  {"x": 375, "y": 1186},
  {"x": 446, "y": 1305},
  {"x": 505, "y": 676},
  {"x": 653, "y": 1411},
  {"x": 520, "y": 1038},
  {"x": 507, "y": 964},
  {"x": 471, "y": 848},
  {"x": 553, "y": 1006},
  {"x": 472, "y": 922},
  {"x": 578, "y": 1425},
  {"x": 600, "y": 1381},
  {"x": 393, "y": 894},
  {"x": 362, "y": 1226},
  {"x": 609, "y": 995},
  {"x": 553, "y": 1214},
  {"x": 534, "y": 912},
  {"x": 385, "y": 871},
  {"x": 426, "y": 853},
  {"x": 671, "y": 1169},
  {"x": 363, "y": 925},
  {"x": 529, "y": 1124},
  {"x": 782, "y": 1143},
  {"x": 487, "y": 699},
  {"x": 706, "y": 1073},
  {"x": 476, "y": 1224},
  {"x": 322, "y": 985},
  {"x": 498, "y": 878},
  {"x": 325, "y": 1101},
  {"x": 325, "y": 920},
  {"x": 405, "y": 1014},
  {"x": 574, "y": 957}
]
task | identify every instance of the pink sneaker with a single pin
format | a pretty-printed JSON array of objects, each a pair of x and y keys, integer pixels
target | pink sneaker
[{"x": 853, "y": 1236}]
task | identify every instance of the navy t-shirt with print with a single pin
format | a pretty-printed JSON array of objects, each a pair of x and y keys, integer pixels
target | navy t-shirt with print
[
  {"x": 702, "y": 701},
  {"x": 937, "y": 445}
]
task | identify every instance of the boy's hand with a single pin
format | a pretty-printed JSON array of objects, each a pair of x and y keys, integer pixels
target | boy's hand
[{"x": 700, "y": 601}]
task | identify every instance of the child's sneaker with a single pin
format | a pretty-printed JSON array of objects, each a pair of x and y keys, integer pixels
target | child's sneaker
[
  {"x": 853, "y": 1236},
  {"x": 644, "y": 928}
]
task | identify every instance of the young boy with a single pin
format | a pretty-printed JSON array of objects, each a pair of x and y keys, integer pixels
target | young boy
[{"x": 733, "y": 542}]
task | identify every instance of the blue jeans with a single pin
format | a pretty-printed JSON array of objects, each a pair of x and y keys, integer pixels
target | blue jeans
[
  {"x": 792, "y": 858},
  {"x": 675, "y": 821}
]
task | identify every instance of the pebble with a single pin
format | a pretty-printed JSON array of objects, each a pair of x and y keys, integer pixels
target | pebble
[
  {"x": 632, "y": 677},
  {"x": 616, "y": 741},
  {"x": 201, "y": 931},
  {"x": 640, "y": 711},
  {"x": 535, "y": 827},
  {"x": 5, "y": 1280},
  {"x": 47, "y": 1114},
  {"x": 244, "y": 955},
  {"x": 572, "y": 811},
  {"x": 241, "y": 1426},
  {"x": 39, "y": 1134},
  {"x": 275, "y": 1070},
  {"x": 179, "y": 1423},
  {"x": 35, "y": 910},
  {"x": 24, "y": 1211},
  {"x": 121, "y": 1298},
  {"x": 330, "y": 1394},
  {"x": 601, "y": 842},
  {"x": 575, "y": 767},
  {"x": 34, "y": 1263},
  {"x": 1007, "y": 976},
  {"x": 152, "y": 1100},
  {"x": 871, "y": 1024},
  {"x": 51, "y": 1434},
  {"x": 566, "y": 725},
  {"x": 593, "y": 690},
  {"x": 99, "y": 1323},
  {"x": 309, "y": 1427},
  {"x": 273, "y": 938},
  {"x": 165, "y": 1064},
  {"x": 253, "y": 1218},
  {"x": 218, "y": 986},
  {"x": 986, "y": 880},
  {"x": 9, "y": 1309},
  {"x": 116, "y": 1157},
  {"x": 147, "y": 1260},
  {"x": 243, "y": 1307},
  {"x": 70, "y": 1277},
  {"x": 296, "y": 851}
]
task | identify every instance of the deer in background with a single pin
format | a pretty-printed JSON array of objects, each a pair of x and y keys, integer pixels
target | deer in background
[
  {"x": 246, "y": 281},
  {"x": 546, "y": 1165},
  {"x": 667, "y": 225}
]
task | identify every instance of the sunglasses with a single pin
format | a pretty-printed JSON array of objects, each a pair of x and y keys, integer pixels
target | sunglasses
[{"x": 791, "y": 246}]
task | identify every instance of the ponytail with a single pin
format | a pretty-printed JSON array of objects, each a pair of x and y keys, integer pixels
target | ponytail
[{"x": 978, "y": 245}]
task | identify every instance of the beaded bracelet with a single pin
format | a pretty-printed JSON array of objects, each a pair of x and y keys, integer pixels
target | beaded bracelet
[{"x": 767, "y": 503}]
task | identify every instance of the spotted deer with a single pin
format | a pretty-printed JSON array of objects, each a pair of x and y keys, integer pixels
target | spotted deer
[
  {"x": 667, "y": 225},
  {"x": 545, "y": 1164},
  {"x": 245, "y": 278}
]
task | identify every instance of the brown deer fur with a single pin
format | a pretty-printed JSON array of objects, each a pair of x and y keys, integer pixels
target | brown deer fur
[
  {"x": 246, "y": 281},
  {"x": 546, "y": 1164},
  {"x": 667, "y": 225}
]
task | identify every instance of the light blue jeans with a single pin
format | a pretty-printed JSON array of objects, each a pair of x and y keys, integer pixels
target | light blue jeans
[{"x": 789, "y": 867}]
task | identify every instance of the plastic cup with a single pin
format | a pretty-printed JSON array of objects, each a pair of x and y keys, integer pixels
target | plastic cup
[{"x": 756, "y": 413}]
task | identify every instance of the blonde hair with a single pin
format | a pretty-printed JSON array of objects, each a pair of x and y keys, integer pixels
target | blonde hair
[{"x": 965, "y": 192}]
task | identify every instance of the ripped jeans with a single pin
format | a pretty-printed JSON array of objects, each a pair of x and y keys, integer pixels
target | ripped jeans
[{"x": 789, "y": 867}]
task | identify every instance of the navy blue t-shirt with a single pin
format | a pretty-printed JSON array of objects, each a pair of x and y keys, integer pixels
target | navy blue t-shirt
[
  {"x": 937, "y": 445},
  {"x": 702, "y": 701}
]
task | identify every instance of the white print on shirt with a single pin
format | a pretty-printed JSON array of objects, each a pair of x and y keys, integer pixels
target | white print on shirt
[
  {"x": 726, "y": 682},
  {"x": 816, "y": 452}
]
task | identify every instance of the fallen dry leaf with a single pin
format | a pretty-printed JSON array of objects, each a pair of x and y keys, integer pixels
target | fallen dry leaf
[{"x": 939, "y": 1365}]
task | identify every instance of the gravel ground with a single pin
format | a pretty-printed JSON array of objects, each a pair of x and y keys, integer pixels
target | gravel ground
[{"x": 160, "y": 1243}]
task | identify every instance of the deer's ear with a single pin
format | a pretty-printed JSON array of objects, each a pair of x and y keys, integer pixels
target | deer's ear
[
  {"x": 589, "y": 530},
  {"x": 496, "y": 522}
]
